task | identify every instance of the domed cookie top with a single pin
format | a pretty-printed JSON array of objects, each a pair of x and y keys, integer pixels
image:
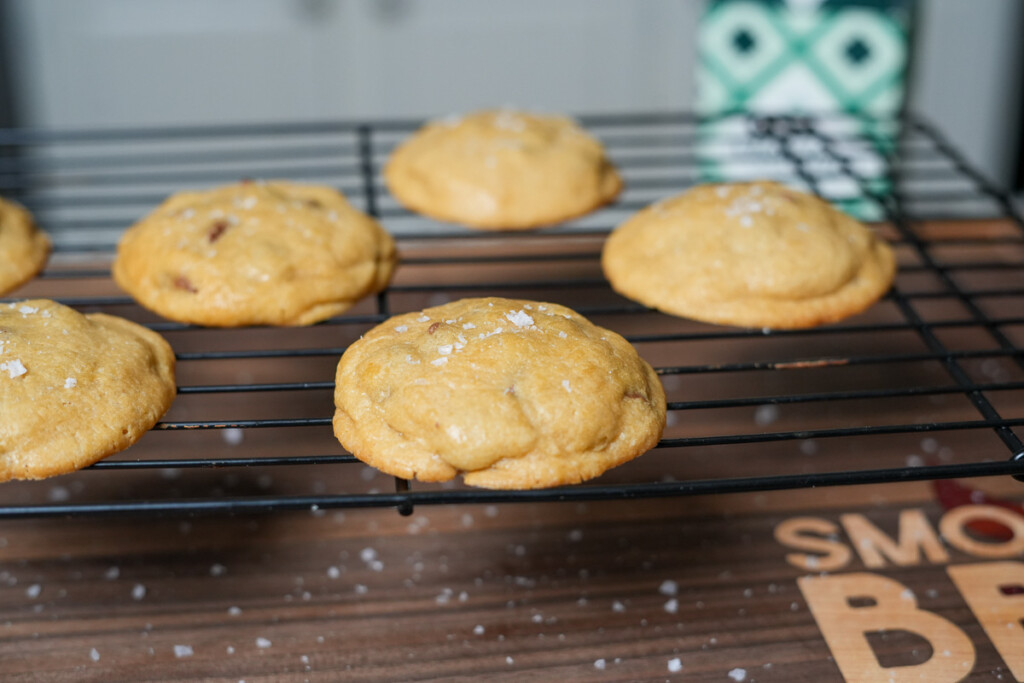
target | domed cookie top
[
  {"x": 75, "y": 388},
  {"x": 502, "y": 170},
  {"x": 255, "y": 253},
  {"x": 749, "y": 254},
  {"x": 513, "y": 394},
  {"x": 23, "y": 247}
]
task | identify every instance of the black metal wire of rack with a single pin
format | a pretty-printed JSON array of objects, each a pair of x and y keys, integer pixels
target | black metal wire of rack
[{"x": 87, "y": 186}]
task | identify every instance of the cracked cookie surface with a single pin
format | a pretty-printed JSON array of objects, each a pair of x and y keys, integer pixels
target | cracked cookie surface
[
  {"x": 75, "y": 388},
  {"x": 255, "y": 253},
  {"x": 502, "y": 170},
  {"x": 23, "y": 247},
  {"x": 749, "y": 254},
  {"x": 513, "y": 394}
]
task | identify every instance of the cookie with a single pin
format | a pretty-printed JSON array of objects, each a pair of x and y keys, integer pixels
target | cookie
[
  {"x": 255, "y": 253},
  {"x": 749, "y": 254},
  {"x": 502, "y": 170},
  {"x": 512, "y": 394},
  {"x": 23, "y": 248},
  {"x": 75, "y": 388}
]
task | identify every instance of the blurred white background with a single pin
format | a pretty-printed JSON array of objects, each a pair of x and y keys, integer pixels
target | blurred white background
[{"x": 77, "y": 63}]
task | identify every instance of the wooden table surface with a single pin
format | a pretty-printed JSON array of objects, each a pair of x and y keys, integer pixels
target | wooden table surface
[
  {"x": 701, "y": 588},
  {"x": 597, "y": 591}
]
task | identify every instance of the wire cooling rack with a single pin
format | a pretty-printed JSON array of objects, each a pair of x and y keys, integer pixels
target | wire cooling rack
[{"x": 926, "y": 385}]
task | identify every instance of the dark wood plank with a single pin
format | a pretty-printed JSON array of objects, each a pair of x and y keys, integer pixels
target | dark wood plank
[
  {"x": 457, "y": 591},
  {"x": 504, "y": 592}
]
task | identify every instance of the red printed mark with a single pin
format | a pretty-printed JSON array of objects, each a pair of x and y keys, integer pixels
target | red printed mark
[{"x": 951, "y": 494}]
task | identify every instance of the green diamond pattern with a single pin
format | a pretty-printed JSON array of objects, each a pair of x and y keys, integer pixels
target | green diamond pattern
[
  {"x": 720, "y": 46},
  {"x": 847, "y": 54},
  {"x": 773, "y": 56}
]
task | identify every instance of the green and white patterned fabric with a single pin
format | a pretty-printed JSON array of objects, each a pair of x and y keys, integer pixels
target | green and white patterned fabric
[
  {"x": 830, "y": 57},
  {"x": 800, "y": 55}
]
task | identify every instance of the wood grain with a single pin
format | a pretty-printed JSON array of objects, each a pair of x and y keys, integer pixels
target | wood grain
[
  {"x": 457, "y": 591},
  {"x": 505, "y": 592}
]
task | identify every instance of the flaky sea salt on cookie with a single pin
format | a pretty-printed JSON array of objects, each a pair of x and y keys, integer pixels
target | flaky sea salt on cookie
[
  {"x": 23, "y": 247},
  {"x": 512, "y": 394},
  {"x": 502, "y": 170},
  {"x": 749, "y": 254},
  {"x": 256, "y": 253},
  {"x": 75, "y": 388}
]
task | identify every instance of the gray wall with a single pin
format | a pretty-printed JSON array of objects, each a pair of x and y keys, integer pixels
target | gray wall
[
  {"x": 137, "y": 62},
  {"x": 968, "y": 80}
]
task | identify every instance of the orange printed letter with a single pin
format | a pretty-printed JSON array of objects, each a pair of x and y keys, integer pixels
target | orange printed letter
[
  {"x": 805, "y": 533},
  {"x": 893, "y": 608},
  {"x": 995, "y": 593},
  {"x": 915, "y": 535},
  {"x": 953, "y": 523}
]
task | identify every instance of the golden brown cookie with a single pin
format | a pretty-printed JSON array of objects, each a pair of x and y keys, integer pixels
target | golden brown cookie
[
  {"x": 513, "y": 394},
  {"x": 502, "y": 170},
  {"x": 23, "y": 247},
  {"x": 75, "y": 388},
  {"x": 749, "y": 254},
  {"x": 255, "y": 253}
]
